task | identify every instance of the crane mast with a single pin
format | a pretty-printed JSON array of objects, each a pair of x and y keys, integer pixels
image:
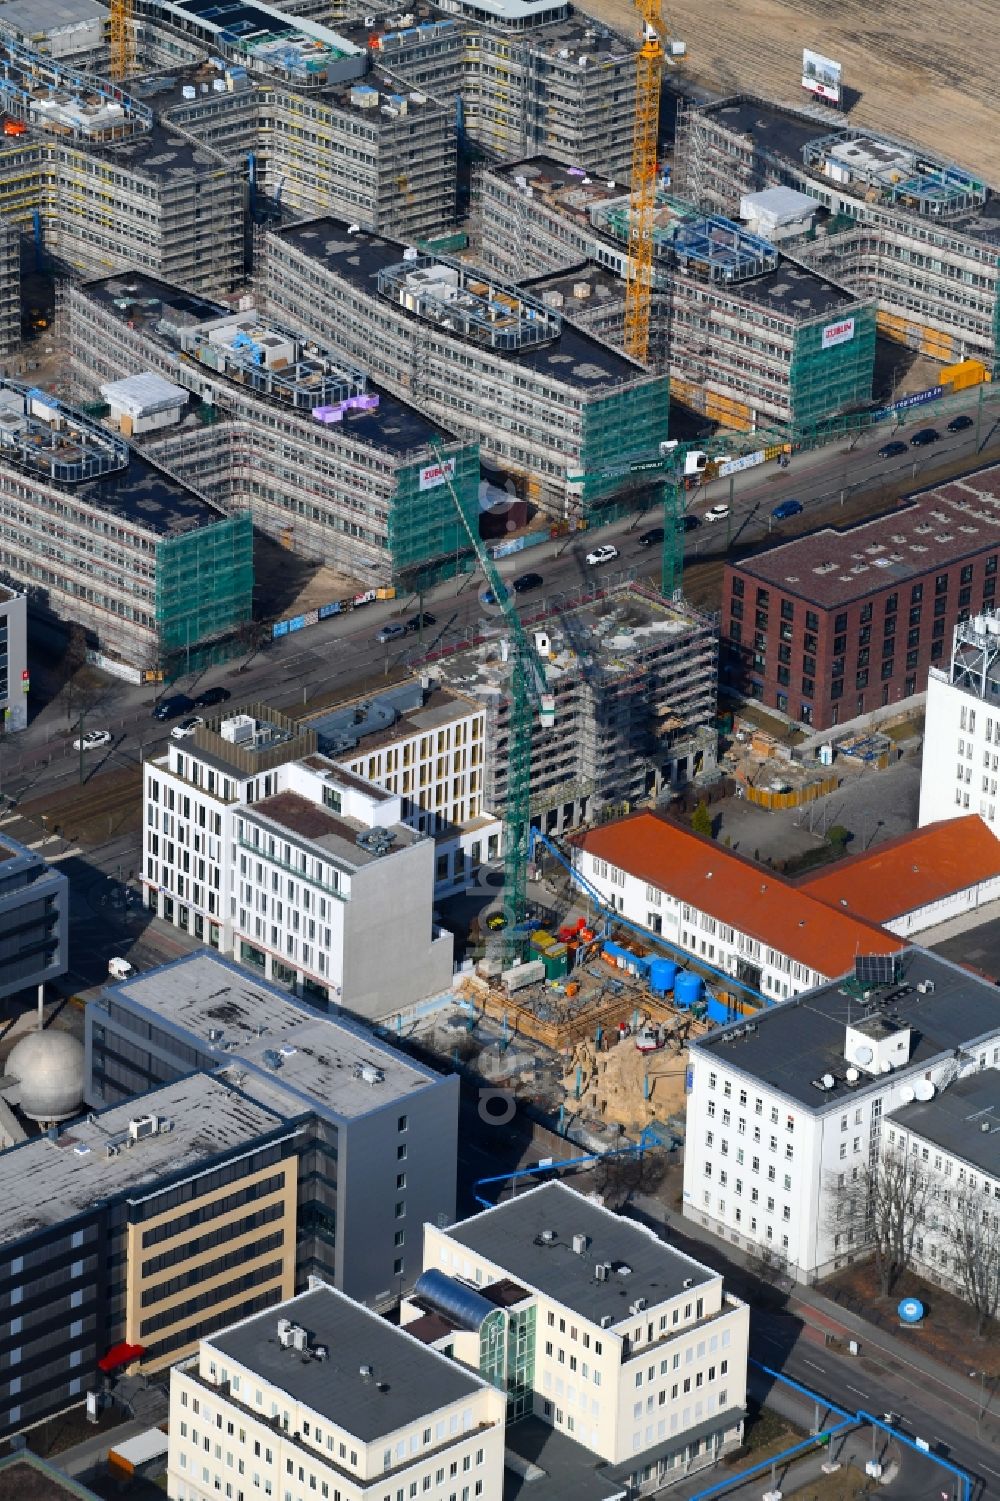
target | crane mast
[{"x": 638, "y": 290}]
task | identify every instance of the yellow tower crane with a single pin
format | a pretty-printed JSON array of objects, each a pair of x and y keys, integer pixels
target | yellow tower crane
[
  {"x": 649, "y": 69},
  {"x": 122, "y": 40}
]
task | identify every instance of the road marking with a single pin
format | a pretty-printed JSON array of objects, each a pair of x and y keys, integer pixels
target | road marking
[
  {"x": 988, "y": 1467},
  {"x": 814, "y": 1365},
  {"x": 858, "y": 1390},
  {"x": 76, "y": 850}
]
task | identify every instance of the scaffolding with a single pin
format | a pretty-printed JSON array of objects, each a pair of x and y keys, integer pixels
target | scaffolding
[
  {"x": 10, "y": 288},
  {"x": 898, "y": 174},
  {"x": 204, "y": 591}
]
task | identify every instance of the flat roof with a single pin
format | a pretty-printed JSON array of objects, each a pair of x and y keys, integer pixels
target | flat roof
[
  {"x": 25, "y": 1477},
  {"x": 44, "y": 1182},
  {"x": 736, "y": 891},
  {"x": 149, "y": 497},
  {"x": 797, "y": 1041},
  {"x": 332, "y": 832},
  {"x": 955, "y": 1118},
  {"x": 33, "y": 16},
  {"x": 572, "y": 358},
  {"x": 366, "y": 723},
  {"x": 509, "y": 1236},
  {"x": 164, "y": 154},
  {"x": 542, "y": 1464},
  {"x": 794, "y": 291},
  {"x": 160, "y": 311},
  {"x": 785, "y": 132},
  {"x": 410, "y": 1380},
  {"x": 289, "y": 1047},
  {"x": 912, "y": 871},
  {"x": 927, "y": 531}
]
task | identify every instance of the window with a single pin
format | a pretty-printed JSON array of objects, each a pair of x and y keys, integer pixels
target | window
[{"x": 402, "y": 1123}]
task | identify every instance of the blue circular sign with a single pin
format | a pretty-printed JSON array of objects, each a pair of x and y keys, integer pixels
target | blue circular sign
[{"x": 911, "y": 1310}]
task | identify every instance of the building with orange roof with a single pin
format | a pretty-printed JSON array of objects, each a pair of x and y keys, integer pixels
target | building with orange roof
[
  {"x": 918, "y": 880},
  {"x": 771, "y": 935}
]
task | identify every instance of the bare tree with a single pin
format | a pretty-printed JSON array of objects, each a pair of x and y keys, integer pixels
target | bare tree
[
  {"x": 882, "y": 1207},
  {"x": 768, "y": 1263},
  {"x": 620, "y": 1177},
  {"x": 974, "y": 1238}
]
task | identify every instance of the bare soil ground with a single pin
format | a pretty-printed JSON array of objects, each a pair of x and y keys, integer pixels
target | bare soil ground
[{"x": 923, "y": 72}]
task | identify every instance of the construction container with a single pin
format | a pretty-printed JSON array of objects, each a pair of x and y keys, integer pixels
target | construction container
[
  {"x": 966, "y": 373},
  {"x": 688, "y": 989},
  {"x": 522, "y": 975},
  {"x": 556, "y": 961},
  {"x": 541, "y": 940},
  {"x": 662, "y": 973}
]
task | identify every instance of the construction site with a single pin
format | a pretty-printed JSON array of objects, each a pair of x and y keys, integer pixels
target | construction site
[
  {"x": 550, "y": 405},
  {"x": 10, "y": 288},
  {"x": 101, "y": 536},
  {"x": 633, "y": 682},
  {"x": 330, "y": 464},
  {"x": 767, "y": 359},
  {"x": 913, "y": 232}
]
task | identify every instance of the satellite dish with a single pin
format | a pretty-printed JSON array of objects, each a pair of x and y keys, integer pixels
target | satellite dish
[
  {"x": 852, "y": 1076},
  {"x": 863, "y": 1054},
  {"x": 924, "y": 1089},
  {"x": 907, "y": 1094},
  {"x": 828, "y": 1081}
]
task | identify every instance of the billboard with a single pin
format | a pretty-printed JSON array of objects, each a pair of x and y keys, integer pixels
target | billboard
[
  {"x": 435, "y": 474},
  {"x": 820, "y": 75},
  {"x": 837, "y": 333}
]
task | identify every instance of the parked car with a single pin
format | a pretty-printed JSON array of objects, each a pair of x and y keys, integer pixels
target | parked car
[
  {"x": 787, "y": 508},
  {"x": 892, "y": 450},
  {"x": 960, "y": 423},
  {"x": 187, "y": 727},
  {"x": 212, "y": 696},
  {"x": 717, "y": 513},
  {"x": 605, "y": 554},
  {"x": 652, "y": 538},
  {"x": 525, "y": 582},
  {"x": 171, "y": 707},
  {"x": 691, "y": 522},
  {"x": 923, "y": 436},
  {"x": 390, "y": 632},
  {"x": 92, "y": 739},
  {"x": 426, "y": 620},
  {"x": 489, "y": 598}
]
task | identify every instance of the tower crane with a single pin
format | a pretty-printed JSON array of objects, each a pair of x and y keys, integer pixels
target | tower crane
[
  {"x": 642, "y": 205},
  {"x": 528, "y": 693},
  {"x": 122, "y": 40}
]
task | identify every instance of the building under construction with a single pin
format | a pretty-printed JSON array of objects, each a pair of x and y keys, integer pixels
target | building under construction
[
  {"x": 10, "y": 288},
  {"x": 96, "y": 534},
  {"x": 100, "y": 183},
  {"x": 748, "y": 335},
  {"x": 333, "y": 467},
  {"x": 635, "y": 681},
  {"x": 919, "y": 235},
  {"x": 549, "y": 404}
]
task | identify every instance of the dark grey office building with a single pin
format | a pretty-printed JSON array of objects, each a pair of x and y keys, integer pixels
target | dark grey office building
[{"x": 34, "y": 916}]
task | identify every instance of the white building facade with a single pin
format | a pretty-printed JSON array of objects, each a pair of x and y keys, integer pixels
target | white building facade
[
  {"x": 961, "y": 759},
  {"x": 320, "y": 1399},
  {"x": 268, "y": 851},
  {"x": 653, "y": 1384},
  {"x": 748, "y": 923},
  {"x": 785, "y": 1110}
]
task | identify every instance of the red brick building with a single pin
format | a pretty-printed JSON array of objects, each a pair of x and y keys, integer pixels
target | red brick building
[{"x": 838, "y": 623}]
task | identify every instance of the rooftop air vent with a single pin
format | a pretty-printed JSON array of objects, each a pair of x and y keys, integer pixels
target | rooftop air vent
[
  {"x": 606, "y": 1321},
  {"x": 548, "y": 1237},
  {"x": 580, "y": 1243}
]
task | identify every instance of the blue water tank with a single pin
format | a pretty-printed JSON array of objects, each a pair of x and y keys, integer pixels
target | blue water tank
[
  {"x": 661, "y": 976},
  {"x": 688, "y": 989}
]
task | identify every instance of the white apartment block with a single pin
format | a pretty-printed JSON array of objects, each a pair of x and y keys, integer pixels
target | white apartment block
[
  {"x": 271, "y": 852},
  {"x": 961, "y": 763},
  {"x": 319, "y": 1399},
  {"x": 769, "y": 935},
  {"x": 606, "y": 1334},
  {"x": 786, "y": 1108},
  {"x": 953, "y": 1135},
  {"x": 425, "y": 744}
]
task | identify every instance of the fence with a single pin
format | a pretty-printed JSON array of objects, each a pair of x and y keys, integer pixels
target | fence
[{"x": 793, "y": 798}]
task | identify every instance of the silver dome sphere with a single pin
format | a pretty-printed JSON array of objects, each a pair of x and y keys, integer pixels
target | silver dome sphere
[{"x": 49, "y": 1066}]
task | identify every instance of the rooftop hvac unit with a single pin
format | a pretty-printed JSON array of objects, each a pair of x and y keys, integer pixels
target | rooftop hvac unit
[
  {"x": 606, "y": 1321},
  {"x": 548, "y": 1237},
  {"x": 688, "y": 1282},
  {"x": 143, "y": 1125},
  {"x": 300, "y": 1339},
  {"x": 369, "y": 1074},
  {"x": 580, "y": 1243},
  {"x": 925, "y": 987},
  {"x": 285, "y": 1334},
  {"x": 602, "y": 1271},
  {"x": 637, "y": 1306}
]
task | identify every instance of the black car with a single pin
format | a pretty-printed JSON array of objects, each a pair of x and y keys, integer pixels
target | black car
[
  {"x": 691, "y": 522},
  {"x": 891, "y": 450},
  {"x": 212, "y": 696},
  {"x": 525, "y": 582},
  {"x": 651, "y": 538},
  {"x": 959, "y": 424},
  {"x": 923, "y": 436},
  {"x": 172, "y": 707},
  {"x": 425, "y": 620}
]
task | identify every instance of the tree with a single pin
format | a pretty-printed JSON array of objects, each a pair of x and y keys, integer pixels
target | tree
[
  {"x": 768, "y": 1263},
  {"x": 838, "y": 835},
  {"x": 619, "y": 1177},
  {"x": 974, "y": 1238},
  {"x": 882, "y": 1206},
  {"x": 701, "y": 821}
]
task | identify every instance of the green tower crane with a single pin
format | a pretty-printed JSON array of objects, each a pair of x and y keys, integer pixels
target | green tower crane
[{"x": 527, "y": 694}]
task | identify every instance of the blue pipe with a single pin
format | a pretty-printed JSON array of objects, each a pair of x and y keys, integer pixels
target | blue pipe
[
  {"x": 684, "y": 955},
  {"x": 798, "y": 1387},
  {"x": 765, "y": 1464},
  {"x": 866, "y": 1417},
  {"x": 646, "y": 1139}
]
